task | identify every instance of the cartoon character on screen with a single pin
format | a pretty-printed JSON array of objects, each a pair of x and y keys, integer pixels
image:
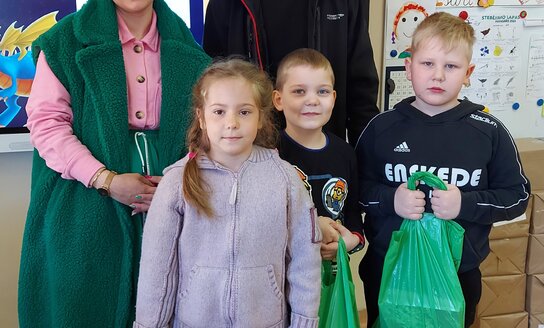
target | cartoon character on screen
[
  {"x": 17, "y": 68},
  {"x": 406, "y": 21},
  {"x": 334, "y": 195}
]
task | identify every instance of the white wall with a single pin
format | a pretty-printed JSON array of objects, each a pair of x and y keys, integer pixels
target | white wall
[{"x": 14, "y": 197}]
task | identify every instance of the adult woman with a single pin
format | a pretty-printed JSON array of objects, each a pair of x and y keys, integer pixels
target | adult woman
[{"x": 108, "y": 110}]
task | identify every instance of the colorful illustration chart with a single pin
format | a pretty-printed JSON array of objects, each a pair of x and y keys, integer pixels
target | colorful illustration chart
[
  {"x": 498, "y": 60},
  {"x": 508, "y": 54}
]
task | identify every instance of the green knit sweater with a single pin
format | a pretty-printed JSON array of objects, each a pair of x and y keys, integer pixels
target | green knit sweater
[{"x": 81, "y": 251}]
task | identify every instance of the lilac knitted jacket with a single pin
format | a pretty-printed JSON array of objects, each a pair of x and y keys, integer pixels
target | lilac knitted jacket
[{"x": 256, "y": 263}]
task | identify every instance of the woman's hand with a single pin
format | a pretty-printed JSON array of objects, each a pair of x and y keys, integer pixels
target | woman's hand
[{"x": 132, "y": 189}]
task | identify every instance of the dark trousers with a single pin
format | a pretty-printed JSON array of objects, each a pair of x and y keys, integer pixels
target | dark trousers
[{"x": 370, "y": 271}]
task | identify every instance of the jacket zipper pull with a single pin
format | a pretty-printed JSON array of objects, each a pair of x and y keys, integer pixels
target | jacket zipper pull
[{"x": 233, "y": 192}]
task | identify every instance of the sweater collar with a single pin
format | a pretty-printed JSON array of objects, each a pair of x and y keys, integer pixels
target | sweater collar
[
  {"x": 464, "y": 108},
  {"x": 258, "y": 154}
]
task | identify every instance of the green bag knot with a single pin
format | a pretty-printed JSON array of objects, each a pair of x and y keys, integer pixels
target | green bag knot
[{"x": 427, "y": 177}]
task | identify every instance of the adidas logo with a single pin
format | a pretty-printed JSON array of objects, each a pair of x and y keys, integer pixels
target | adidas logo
[{"x": 402, "y": 148}]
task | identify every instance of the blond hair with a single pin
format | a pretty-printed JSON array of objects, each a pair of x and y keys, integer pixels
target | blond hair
[
  {"x": 451, "y": 30},
  {"x": 195, "y": 190},
  {"x": 302, "y": 57}
]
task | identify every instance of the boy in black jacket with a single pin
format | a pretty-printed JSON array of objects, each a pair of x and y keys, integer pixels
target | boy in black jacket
[
  {"x": 469, "y": 149},
  {"x": 326, "y": 164}
]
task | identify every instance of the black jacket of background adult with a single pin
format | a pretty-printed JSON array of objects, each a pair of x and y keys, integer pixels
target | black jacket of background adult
[{"x": 338, "y": 29}]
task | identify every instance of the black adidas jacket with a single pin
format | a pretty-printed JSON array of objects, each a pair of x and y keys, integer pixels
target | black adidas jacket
[
  {"x": 338, "y": 29},
  {"x": 464, "y": 146}
]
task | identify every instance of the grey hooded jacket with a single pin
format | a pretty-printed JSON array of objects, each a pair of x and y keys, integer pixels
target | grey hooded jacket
[{"x": 256, "y": 263}]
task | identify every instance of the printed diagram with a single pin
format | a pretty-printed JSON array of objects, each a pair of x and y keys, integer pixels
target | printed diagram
[
  {"x": 497, "y": 62},
  {"x": 535, "y": 68},
  {"x": 17, "y": 68}
]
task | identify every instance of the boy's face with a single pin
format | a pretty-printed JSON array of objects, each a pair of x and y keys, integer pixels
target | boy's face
[
  {"x": 306, "y": 99},
  {"x": 437, "y": 76}
]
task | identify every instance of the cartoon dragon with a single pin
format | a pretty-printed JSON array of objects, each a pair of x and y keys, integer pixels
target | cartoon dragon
[{"x": 17, "y": 68}]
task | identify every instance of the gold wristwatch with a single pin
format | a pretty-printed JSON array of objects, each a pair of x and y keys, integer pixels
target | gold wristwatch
[{"x": 104, "y": 190}]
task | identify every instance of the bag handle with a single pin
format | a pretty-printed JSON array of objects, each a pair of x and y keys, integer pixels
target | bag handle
[{"x": 427, "y": 177}]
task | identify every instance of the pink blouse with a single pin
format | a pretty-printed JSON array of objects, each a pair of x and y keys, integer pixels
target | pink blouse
[{"x": 50, "y": 115}]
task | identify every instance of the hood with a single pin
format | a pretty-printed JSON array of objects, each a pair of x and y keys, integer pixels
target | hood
[
  {"x": 465, "y": 108},
  {"x": 258, "y": 154}
]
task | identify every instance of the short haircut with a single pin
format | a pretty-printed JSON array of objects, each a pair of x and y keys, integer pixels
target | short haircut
[
  {"x": 451, "y": 30},
  {"x": 302, "y": 57}
]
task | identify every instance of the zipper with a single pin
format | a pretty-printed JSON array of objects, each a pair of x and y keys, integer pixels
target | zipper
[
  {"x": 255, "y": 34},
  {"x": 317, "y": 26},
  {"x": 233, "y": 198},
  {"x": 232, "y": 281},
  {"x": 233, "y": 192},
  {"x": 250, "y": 42}
]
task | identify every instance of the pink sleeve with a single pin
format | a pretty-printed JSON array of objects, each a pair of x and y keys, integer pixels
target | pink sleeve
[{"x": 50, "y": 123}]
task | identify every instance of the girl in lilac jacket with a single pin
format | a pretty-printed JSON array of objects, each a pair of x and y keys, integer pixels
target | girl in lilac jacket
[{"x": 231, "y": 238}]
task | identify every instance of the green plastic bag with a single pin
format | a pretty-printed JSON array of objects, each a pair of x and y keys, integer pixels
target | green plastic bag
[
  {"x": 420, "y": 286},
  {"x": 338, "y": 308}
]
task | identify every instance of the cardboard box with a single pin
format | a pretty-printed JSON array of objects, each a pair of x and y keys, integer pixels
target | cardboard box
[
  {"x": 531, "y": 151},
  {"x": 535, "y": 294},
  {"x": 507, "y": 256},
  {"x": 511, "y": 320},
  {"x": 502, "y": 295},
  {"x": 535, "y": 254},
  {"x": 518, "y": 227},
  {"x": 536, "y": 320},
  {"x": 537, "y": 212}
]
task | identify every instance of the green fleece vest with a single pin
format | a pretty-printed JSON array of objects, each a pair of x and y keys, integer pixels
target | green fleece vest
[{"x": 81, "y": 251}]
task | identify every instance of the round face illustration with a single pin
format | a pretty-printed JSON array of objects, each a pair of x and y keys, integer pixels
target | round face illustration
[
  {"x": 407, "y": 19},
  {"x": 407, "y": 23}
]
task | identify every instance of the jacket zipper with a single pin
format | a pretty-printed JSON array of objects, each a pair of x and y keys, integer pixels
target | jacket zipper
[
  {"x": 255, "y": 35},
  {"x": 317, "y": 26},
  {"x": 232, "y": 202}
]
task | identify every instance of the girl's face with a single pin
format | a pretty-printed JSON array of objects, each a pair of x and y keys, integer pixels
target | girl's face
[
  {"x": 230, "y": 119},
  {"x": 134, "y": 6}
]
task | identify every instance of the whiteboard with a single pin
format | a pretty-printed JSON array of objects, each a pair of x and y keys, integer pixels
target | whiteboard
[{"x": 508, "y": 54}]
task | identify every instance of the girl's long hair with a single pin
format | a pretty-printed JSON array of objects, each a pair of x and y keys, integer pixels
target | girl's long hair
[{"x": 196, "y": 191}]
